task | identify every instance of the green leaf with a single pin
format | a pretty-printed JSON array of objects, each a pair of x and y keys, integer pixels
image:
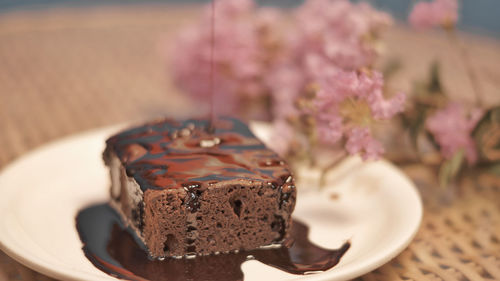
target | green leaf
[
  {"x": 390, "y": 68},
  {"x": 416, "y": 127},
  {"x": 419, "y": 88},
  {"x": 487, "y": 125},
  {"x": 450, "y": 168},
  {"x": 492, "y": 116},
  {"x": 434, "y": 85},
  {"x": 494, "y": 169},
  {"x": 428, "y": 95}
]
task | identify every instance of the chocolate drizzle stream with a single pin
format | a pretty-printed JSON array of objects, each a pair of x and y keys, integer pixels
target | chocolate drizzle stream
[
  {"x": 211, "y": 128},
  {"x": 114, "y": 249}
]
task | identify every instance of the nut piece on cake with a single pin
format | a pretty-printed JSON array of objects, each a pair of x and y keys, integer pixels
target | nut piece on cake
[{"x": 188, "y": 192}]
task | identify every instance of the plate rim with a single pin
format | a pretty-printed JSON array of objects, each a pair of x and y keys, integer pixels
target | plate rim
[
  {"x": 62, "y": 273},
  {"x": 38, "y": 265}
]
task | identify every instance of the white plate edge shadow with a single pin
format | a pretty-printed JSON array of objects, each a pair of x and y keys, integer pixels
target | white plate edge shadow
[{"x": 18, "y": 253}]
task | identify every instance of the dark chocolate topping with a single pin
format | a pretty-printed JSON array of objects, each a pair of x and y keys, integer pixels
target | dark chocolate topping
[
  {"x": 116, "y": 250},
  {"x": 175, "y": 154}
]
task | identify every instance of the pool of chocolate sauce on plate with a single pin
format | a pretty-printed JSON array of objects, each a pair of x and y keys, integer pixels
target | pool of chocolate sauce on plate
[{"x": 114, "y": 249}]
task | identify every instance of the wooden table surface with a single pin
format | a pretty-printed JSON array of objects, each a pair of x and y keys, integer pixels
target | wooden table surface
[{"x": 63, "y": 71}]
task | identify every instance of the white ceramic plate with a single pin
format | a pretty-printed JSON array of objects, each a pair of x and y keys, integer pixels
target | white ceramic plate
[{"x": 378, "y": 210}]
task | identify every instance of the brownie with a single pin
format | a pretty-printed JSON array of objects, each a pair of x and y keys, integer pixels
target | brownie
[{"x": 188, "y": 190}]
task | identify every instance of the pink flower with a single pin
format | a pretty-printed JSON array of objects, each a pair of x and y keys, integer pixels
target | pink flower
[
  {"x": 452, "y": 128},
  {"x": 384, "y": 109},
  {"x": 268, "y": 17},
  {"x": 360, "y": 141},
  {"x": 436, "y": 13},
  {"x": 331, "y": 42},
  {"x": 240, "y": 59},
  {"x": 339, "y": 31},
  {"x": 282, "y": 137},
  {"x": 360, "y": 93},
  {"x": 286, "y": 83},
  {"x": 316, "y": 66},
  {"x": 347, "y": 104},
  {"x": 329, "y": 36},
  {"x": 330, "y": 128},
  {"x": 229, "y": 9},
  {"x": 234, "y": 63},
  {"x": 347, "y": 53}
]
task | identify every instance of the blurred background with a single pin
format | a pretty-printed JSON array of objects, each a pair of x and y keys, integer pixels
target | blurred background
[
  {"x": 479, "y": 15},
  {"x": 72, "y": 65}
]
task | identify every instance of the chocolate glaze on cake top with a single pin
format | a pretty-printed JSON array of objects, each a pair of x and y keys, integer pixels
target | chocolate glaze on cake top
[{"x": 177, "y": 154}]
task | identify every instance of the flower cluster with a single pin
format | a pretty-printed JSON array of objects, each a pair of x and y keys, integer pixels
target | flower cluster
[
  {"x": 320, "y": 70},
  {"x": 341, "y": 32},
  {"x": 244, "y": 44},
  {"x": 452, "y": 129},
  {"x": 314, "y": 75},
  {"x": 347, "y": 104},
  {"x": 436, "y": 13},
  {"x": 326, "y": 77},
  {"x": 455, "y": 132},
  {"x": 344, "y": 107}
]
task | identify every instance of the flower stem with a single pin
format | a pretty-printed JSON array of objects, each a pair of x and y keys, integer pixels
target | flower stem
[
  {"x": 329, "y": 167},
  {"x": 471, "y": 73}
]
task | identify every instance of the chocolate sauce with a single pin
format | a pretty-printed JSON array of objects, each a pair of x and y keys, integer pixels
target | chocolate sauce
[
  {"x": 211, "y": 128},
  {"x": 115, "y": 249},
  {"x": 170, "y": 154}
]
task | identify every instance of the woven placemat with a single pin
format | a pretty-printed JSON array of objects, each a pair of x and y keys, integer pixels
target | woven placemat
[{"x": 67, "y": 70}]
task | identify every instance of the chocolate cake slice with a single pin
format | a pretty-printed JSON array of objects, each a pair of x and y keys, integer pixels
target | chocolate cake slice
[{"x": 186, "y": 191}]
